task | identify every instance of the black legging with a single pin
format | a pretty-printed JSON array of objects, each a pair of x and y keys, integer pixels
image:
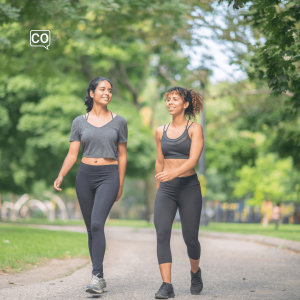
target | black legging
[
  {"x": 97, "y": 189},
  {"x": 184, "y": 193}
]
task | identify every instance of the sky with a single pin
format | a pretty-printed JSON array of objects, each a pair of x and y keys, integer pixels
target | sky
[{"x": 220, "y": 64}]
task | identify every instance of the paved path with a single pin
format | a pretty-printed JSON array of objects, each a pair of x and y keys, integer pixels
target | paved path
[{"x": 232, "y": 269}]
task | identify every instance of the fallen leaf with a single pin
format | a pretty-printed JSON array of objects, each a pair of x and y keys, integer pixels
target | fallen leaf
[
  {"x": 244, "y": 278},
  {"x": 10, "y": 282},
  {"x": 8, "y": 267}
]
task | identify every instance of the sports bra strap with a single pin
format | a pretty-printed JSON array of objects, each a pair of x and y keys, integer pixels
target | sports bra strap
[
  {"x": 167, "y": 127},
  {"x": 86, "y": 117},
  {"x": 112, "y": 115},
  {"x": 190, "y": 125}
]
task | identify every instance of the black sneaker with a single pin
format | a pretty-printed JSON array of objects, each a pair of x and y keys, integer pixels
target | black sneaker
[
  {"x": 197, "y": 283},
  {"x": 165, "y": 291}
]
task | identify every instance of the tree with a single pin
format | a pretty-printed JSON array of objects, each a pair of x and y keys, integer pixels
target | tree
[
  {"x": 41, "y": 90},
  {"x": 277, "y": 58},
  {"x": 270, "y": 179}
]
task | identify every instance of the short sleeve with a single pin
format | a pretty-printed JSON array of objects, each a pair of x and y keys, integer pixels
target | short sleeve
[
  {"x": 75, "y": 136},
  {"x": 123, "y": 132}
]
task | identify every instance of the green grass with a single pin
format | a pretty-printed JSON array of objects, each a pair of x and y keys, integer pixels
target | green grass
[
  {"x": 46, "y": 222},
  {"x": 20, "y": 246},
  {"x": 285, "y": 231}
]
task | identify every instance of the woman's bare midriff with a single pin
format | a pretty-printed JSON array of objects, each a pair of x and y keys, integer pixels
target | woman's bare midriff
[
  {"x": 99, "y": 161},
  {"x": 171, "y": 165}
]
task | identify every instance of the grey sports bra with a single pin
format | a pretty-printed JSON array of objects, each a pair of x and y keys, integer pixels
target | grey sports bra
[{"x": 176, "y": 148}]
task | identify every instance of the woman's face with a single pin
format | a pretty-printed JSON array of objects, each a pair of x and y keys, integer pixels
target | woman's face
[
  {"x": 103, "y": 93},
  {"x": 176, "y": 104}
]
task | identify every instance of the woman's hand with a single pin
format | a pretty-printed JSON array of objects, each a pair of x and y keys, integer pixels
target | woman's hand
[
  {"x": 119, "y": 194},
  {"x": 57, "y": 183},
  {"x": 164, "y": 176}
]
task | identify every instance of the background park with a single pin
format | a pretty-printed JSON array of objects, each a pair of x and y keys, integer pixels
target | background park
[{"x": 242, "y": 55}]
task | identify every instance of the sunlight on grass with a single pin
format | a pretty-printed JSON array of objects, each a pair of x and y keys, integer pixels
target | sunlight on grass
[{"x": 20, "y": 246}]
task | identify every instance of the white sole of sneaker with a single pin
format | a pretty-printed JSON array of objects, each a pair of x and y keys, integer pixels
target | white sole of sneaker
[{"x": 93, "y": 291}]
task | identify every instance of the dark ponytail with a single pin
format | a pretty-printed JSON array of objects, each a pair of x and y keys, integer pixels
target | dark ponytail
[
  {"x": 88, "y": 101},
  {"x": 191, "y": 96}
]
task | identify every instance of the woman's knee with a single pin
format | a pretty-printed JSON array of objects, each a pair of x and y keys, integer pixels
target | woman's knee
[
  {"x": 97, "y": 227},
  {"x": 163, "y": 235},
  {"x": 192, "y": 242}
]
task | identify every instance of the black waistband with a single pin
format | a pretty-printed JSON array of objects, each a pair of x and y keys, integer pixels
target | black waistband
[
  {"x": 97, "y": 168},
  {"x": 183, "y": 181}
]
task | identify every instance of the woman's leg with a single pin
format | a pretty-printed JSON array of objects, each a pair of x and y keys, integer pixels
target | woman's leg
[
  {"x": 190, "y": 205},
  {"x": 97, "y": 188},
  {"x": 105, "y": 197},
  {"x": 164, "y": 214},
  {"x": 85, "y": 194}
]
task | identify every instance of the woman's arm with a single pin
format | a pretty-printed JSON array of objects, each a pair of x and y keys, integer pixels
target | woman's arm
[
  {"x": 68, "y": 164},
  {"x": 122, "y": 150},
  {"x": 159, "y": 164},
  {"x": 195, "y": 153}
]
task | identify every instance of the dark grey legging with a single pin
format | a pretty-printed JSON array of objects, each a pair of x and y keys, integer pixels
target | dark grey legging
[
  {"x": 97, "y": 189},
  {"x": 183, "y": 193}
]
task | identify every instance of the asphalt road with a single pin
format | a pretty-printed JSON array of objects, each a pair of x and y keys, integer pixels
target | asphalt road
[{"x": 231, "y": 269}]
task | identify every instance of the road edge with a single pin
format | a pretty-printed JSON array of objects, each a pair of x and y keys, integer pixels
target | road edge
[{"x": 267, "y": 240}]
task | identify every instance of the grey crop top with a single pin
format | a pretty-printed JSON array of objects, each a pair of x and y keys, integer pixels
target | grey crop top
[
  {"x": 99, "y": 142},
  {"x": 176, "y": 148}
]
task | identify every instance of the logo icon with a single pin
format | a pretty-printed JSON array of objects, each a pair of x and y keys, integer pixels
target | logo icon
[{"x": 40, "y": 38}]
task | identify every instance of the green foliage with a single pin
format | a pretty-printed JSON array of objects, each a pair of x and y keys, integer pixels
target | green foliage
[
  {"x": 243, "y": 124},
  {"x": 236, "y": 3},
  {"x": 270, "y": 178},
  {"x": 277, "y": 59},
  {"x": 41, "y": 91}
]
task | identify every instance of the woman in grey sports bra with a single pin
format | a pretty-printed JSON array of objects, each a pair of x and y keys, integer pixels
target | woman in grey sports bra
[
  {"x": 100, "y": 177},
  {"x": 179, "y": 146}
]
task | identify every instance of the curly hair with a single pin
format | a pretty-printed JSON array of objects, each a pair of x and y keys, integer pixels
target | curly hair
[
  {"x": 191, "y": 96},
  {"x": 88, "y": 101}
]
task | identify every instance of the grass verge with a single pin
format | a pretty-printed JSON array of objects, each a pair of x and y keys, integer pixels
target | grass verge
[
  {"x": 285, "y": 231},
  {"x": 22, "y": 247}
]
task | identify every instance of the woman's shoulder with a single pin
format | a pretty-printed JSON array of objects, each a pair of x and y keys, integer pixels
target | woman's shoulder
[
  {"x": 194, "y": 125},
  {"x": 121, "y": 119},
  {"x": 78, "y": 119},
  {"x": 160, "y": 129}
]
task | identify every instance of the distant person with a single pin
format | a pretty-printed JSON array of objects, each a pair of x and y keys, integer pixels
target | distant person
[
  {"x": 179, "y": 146},
  {"x": 100, "y": 177},
  {"x": 276, "y": 215}
]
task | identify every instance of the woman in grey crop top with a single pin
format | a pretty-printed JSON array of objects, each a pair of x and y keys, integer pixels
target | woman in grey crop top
[
  {"x": 179, "y": 146},
  {"x": 100, "y": 177}
]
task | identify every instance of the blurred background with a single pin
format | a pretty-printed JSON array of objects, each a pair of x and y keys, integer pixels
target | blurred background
[{"x": 226, "y": 50}]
